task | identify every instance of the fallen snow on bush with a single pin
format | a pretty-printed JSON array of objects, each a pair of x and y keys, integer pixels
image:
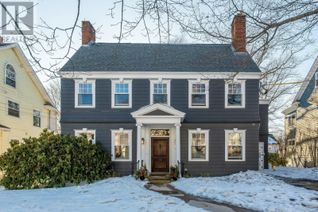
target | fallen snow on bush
[
  {"x": 253, "y": 190},
  {"x": 295, "y": 173},
  {"x": 114, "y": 194}
]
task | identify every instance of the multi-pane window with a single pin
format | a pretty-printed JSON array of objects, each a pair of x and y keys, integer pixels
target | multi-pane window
[
  {"x": 235, "y": 145},
  {"x": 198, "y": 145},
  {"x": 198, "y": 94},
  {"x": 10, "y": 75},
  {"x": 89, "y": 134},
  {"x": 235, "y": 94},
  {"x": 85, "y": 94},
  {"x": 160, "y": 92},
  {"x": 13, "y": 109},
  {"x": 121, "y": 145},
  {"x": 121, "y": 94},
  {"x": 36, "y": 118}
]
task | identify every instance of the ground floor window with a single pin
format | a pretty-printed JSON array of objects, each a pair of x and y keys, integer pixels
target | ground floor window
[
  {"x": 235, "y": 145},
  {"x": 121, "y": 145},
  {"x": 36, "y": 118},
  {"x": 198, "y": 145},
  {"x": 90, "y": 134}
]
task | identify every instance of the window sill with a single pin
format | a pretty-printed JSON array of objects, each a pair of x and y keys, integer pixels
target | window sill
[
  {"x": 198, "y": 160},
  {"x": 234, "y": 107},
  {"x": 227, "y": 160},
  {"x": 121, "y": 107},
  {"x": 198, "y": 107},
  {"x": 79, "y": 106},
  {"x": 117, "y": 160}
]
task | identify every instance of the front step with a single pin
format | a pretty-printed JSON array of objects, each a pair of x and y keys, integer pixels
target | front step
[{"x": 162, "y": 178}]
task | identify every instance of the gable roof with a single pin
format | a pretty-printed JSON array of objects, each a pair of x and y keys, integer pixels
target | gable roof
[
  {"x": 307, "y": 86},
  {"x": 159, "y": 58},
  {"x": 31, "y": 73},
  {"x": 148, "y": 109}
]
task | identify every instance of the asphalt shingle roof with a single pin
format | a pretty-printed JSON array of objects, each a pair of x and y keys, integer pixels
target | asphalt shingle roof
[{"x": 160, "y": 57}]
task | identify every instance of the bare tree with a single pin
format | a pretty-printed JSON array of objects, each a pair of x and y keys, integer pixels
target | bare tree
[{"x": 54, "y": 91}]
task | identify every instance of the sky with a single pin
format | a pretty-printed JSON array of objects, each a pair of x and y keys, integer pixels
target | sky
[{"x": 62, "y": 13}]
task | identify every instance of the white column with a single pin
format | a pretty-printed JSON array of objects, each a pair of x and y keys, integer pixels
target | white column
[
  {"x": 178, "y": 146},
  {"x": 139, "y": 143}
]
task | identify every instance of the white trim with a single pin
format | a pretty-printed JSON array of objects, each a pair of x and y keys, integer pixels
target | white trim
[
  {"x": 264, "y": 101},
  {"x": 163, "y": 107},
  {"x": 129, "y": 132},
  {"x": 158, "y": 74},
  {"x": 77, "y": 132},
  {"x": 243, "y": 145},
  {"x": 190, "y": 83},
  {"x": 207, "y": 140},
  {"x": 152, "y": 82},
  {"x": 129, "y": 82},
  {"x": 243, "y": 90},
  {"x": 76, "y": 90}
]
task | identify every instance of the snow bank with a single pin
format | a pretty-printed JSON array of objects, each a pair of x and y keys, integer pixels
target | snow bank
[
  {"x": 114, "y": 194},
  {"x": 252, "y": 190},
  {"x": 295, "y": 173}
]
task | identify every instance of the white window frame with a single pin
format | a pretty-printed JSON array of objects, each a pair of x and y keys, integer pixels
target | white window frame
[
  {"x": 5, "y": 76},
  {"x": 129, "y": 132},
  {"x": 78, "y": 132},
  {"x": 129, "y": 82},
  {"x": 190, "y": 132},
  {"x": 243, "y": 132},
  {"x": 77, "y": 82},
  {"x": 190, "y": 83},
  {"x": 242, "y": 82},
  {"x": 152, "y": 82}
]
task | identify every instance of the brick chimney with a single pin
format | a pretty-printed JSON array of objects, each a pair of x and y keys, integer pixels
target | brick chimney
[
  {"x": 239, "y": 32},
  {"x": 88, "y": 33}
]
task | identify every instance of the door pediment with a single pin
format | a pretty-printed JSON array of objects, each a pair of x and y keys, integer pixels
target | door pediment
[{"x": 158, "y": 110}]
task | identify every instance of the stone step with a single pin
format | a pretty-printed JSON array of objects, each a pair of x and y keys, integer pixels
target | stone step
[
  {"x": 159, "y": 177},
  {"x": 159, "y": 182}
]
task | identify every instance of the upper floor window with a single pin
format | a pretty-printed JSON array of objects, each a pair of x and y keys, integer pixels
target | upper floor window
[
  {"x": 36, "y": 118},
  {"x": 121, "y": 94},
  {"x": 10, "y": 75},
  {"x": 291, "y": 120},
  {"x": 198, "y": 94},
  {"x": 121, "y": 145},
  {"x": 13, "y": 109},
  {"x": 89, "y": 134},
  {"x": 235, "y": 94},
  {"x": 160, "y": 92},
  {"x": 85, "y": 94},
  {"x": 198, "y": 145},
  {"x": 235, "y": 145}
]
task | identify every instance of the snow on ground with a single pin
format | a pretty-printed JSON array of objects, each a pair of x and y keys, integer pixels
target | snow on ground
[
  {"x": 251, "y": 189},
  {"x": 295, "y": 173},
  {"x": 113, "y": 194}
]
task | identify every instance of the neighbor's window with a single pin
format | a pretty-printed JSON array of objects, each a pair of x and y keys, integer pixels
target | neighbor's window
[
  {"x": 160, "y": 92},
  {"x": 291, "y": 120},
  {"x": 10, "y": 75},
  {"x": 235, "y": 94},
  {"x": 89, "y": 134},
  {"x": 36, "y": 118},
  {"x": 85, "y": 94},
  {"x": 235, "y": 145},
  {"x": 198, "y": 94},
  {"x": 121, "y": 145},
  {"x": 121, "y": 94},
  {"x": 13, "y": 109},
  {"x": 198, "y": 145}
]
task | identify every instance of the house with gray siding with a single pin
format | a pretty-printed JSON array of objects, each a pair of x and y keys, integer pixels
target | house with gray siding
[{"x": 160, "y": 105}]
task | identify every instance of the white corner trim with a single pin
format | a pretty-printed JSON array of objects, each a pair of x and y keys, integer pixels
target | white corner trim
[
  {"x": 243, "y": 91},
  {"x": 129, "y": 132},
  {"x": 78, "y": 132},
  {"x": 76, "y": 89},
  {"x": 190, "y": 83},
  {"x": 243, "y": 132},
  {"x": 152, "y": 82},
  {"x": 264, "y": 101},
  {"x": 207, "y": 140},
  {"x": 129, "y": 82}
]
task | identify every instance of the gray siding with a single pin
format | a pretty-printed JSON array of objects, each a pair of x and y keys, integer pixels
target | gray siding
[
  {"x": 103, "y": 113},
  {"x": 263, "y": 131}
]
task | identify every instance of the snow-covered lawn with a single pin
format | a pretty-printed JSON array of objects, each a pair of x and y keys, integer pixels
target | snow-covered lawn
[
  {"x": 114, "y": 194},
  {"x": 251, "y": 189},
  {"x": 295, "y": 173}
]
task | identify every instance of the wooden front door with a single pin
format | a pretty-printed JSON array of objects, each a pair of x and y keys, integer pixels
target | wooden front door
[{"x": 160, "y": 154}]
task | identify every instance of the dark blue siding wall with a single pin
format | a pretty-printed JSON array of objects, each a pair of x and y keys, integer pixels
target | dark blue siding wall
[{"x": 103, "y": 113}]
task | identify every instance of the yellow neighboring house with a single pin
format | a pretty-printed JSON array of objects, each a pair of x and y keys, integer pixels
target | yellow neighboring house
[
  {"x": 25, "y": 107},
  {"x": 301, "y": 123}
]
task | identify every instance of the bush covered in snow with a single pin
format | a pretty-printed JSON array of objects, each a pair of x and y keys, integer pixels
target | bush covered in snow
[{"x": 52, "y": 161}]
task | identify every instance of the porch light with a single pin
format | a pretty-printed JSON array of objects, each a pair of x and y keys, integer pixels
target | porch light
[{"x": 142, "y": 141}]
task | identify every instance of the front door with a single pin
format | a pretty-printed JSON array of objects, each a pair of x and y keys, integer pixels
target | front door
[{"x": 160, "y": 154}]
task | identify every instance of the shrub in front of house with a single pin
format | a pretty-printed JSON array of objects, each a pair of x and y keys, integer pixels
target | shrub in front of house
[{"x": 53, "y": 161}]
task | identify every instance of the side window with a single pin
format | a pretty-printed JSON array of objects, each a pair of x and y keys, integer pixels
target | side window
[
  {"x": 13, "y": 109},
  {"x": 85, "y": 94},
  {"x": 10, "y": 75},
  {"x": 36, "y": 118},
  {"x": 235, "y": 94}
]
